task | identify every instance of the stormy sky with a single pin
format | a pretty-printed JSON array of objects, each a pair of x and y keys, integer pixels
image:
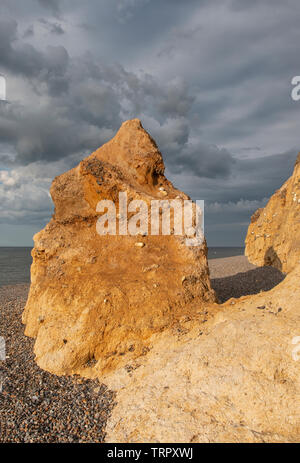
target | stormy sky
[{"x": 210, "y": 80}]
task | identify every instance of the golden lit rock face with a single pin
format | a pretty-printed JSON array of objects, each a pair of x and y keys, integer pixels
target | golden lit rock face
[
  {"x": 95, "y": 300},
  {"x": 274, "y": 233}
]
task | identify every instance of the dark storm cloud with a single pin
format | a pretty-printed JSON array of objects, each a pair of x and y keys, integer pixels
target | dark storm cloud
[
  {"x": 53, "y": 27},
  {"x": 176, "y": 101},
  {"x": 52, "y": 5},
  {"x": 25, "y": 59},
  {"x": 210, "y": 80},
  {"x": 276, "y": 169},
  {"x": 245, "y": 63},
  {"x": 45, "y": 134},
  {"x": 248, "y": 180},
  {"x": 84, "y": 102},
  {"x": 29, "y": 32},
  {"x": 231, "y": 201},
  {"x": 241, "y": 5},
  {"x": 57, "y": 29},
  {"x": 126, "y": 8},
  {"x": 204, "y": 161}
]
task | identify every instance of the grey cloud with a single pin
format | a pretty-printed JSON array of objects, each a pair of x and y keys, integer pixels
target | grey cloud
[
  {"x": 126, "y": 8},
  {"x": 250, "y": 179},
  {"x": 177, "y": 101},
  {"x": 209, "y": 79},
  {"x": 246, "y": 60},
  {"x": 29, "y": 32},
  {"x": 230, "y": 202},
  {"x": 53, "y": 27},
  {"x": 241, "y": 5},
  {"x": 24, "y": 196},
  {"x": 171, "y": 135},
  {"x": 231, "y": 219},
  {"x": 203, "y": 160},
  {"x": 52, "y": 5},
  {"x": 47, "y": 134},
  {"x": 8, "y": 34},
  {"x": 25, "y": 59},
  {"x": 57, "y": 29},
  {"x": 186, "y": 153},
  {"x": 84, "y": 102}
]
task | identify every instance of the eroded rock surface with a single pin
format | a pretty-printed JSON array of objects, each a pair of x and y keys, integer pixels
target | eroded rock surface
[
  {"x": 95, "y": 300},
  {"x": 235, "y": 378},
  {"x": 274, "y": 233}
]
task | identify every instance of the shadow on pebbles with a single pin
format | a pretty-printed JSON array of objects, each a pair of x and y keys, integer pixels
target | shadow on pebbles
[
  {"x": 36, "y": 406},
  {"x": 236, "y": 277}
]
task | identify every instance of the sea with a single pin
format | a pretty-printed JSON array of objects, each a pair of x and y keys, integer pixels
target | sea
[{"x": 15, "y": 262}]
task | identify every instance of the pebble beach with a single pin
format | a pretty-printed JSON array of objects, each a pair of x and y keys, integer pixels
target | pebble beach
[
  {"x": 38, "y": 407},
  {"x": 236, "y": 277}
]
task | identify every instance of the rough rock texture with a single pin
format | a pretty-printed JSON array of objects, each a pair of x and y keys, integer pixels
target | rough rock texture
[
  {"x": 95, "y": 300},
  {"x": 231, "y": 379},
  {"x": 274, "y": 233}
]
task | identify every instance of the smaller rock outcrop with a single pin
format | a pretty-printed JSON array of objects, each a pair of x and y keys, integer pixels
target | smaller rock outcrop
[{"x": 274, "y": 233}]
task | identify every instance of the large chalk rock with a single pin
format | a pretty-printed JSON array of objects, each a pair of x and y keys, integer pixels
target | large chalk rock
[
  {"x": 94, "y": 300},
  {"x": 274, "y": 233}
]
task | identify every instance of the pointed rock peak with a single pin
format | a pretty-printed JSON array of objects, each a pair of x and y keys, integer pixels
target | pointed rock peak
[
  {"x": 132, "y": 123},
  {"x": 135, "y": 152},
  {"x": 134, "y": 128},
  {"x": 134, "y": 132}
]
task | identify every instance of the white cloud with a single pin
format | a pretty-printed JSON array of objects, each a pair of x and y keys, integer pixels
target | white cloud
[{"x": 24, "y": 193}]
